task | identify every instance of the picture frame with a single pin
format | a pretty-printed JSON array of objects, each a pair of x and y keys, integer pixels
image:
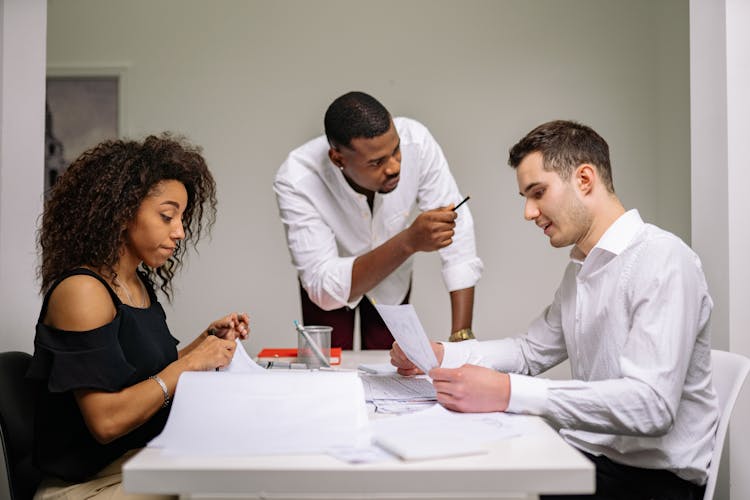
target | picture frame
[{"x": 84, "y": 106}]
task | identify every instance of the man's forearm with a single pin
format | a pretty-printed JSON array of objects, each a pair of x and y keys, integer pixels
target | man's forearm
[
  {"x": 462, "y": 308},
  {"x": 373, "y": 267}
]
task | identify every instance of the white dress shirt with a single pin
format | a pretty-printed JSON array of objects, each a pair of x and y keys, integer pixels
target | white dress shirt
[
  {"x": 633, "y": 319},
  {"x": 328, "y": 224}
]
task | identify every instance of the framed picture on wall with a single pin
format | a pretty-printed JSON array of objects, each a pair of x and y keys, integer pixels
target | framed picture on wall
[{"x": 83, "y": 108}]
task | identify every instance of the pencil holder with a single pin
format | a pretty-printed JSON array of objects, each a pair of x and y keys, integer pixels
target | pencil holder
[{"x": 321, "y": 336}]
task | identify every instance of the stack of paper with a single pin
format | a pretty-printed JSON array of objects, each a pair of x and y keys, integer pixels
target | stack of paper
[
  {"x": 265, "y": 413},
  {"x": 397, "y": 388}
]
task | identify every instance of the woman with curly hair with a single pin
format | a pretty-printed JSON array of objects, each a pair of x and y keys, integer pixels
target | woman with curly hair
[{"x": 116, "y": 223}]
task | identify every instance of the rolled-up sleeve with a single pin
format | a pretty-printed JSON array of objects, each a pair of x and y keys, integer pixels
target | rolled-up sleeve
[
  {"x": 325, "y": 275},
  {"x": 437, "y": 187}
]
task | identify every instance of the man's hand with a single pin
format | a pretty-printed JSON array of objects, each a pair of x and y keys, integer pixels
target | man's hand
[
  {"x": 405, "y": 366},
  {"x": 432, "y": 230},
  {"x": 471, "y": 388}
]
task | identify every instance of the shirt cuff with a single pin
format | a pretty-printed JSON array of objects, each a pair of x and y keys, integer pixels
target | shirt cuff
[
  {"x": 464, "y": 275},
  {"x": 457, "y": 354},
  {"x": 331, "y": 289},
  {"x": 527, "y": 394}
]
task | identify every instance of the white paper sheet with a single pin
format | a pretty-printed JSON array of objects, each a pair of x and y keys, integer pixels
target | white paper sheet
[
  {"x": 242, "y": 362},
  {"x": 437, "y": 432},
  {"x": 406, "y": 328},
  {"x": 279, "y": 412}
]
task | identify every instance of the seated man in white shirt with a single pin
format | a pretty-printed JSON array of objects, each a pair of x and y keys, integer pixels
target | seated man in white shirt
[
  {"x": 345, "y": 200},
  {"x": 631, "y": 315}
]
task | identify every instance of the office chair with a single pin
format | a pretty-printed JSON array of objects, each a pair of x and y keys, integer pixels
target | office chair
[
  {"x": 729, "y": 373},
  {"x": 18, "y": 476}
]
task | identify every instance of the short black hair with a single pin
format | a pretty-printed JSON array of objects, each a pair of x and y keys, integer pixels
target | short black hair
[
  {"x": 564, "y": 146},
  {"x": 355, "y": 115}
]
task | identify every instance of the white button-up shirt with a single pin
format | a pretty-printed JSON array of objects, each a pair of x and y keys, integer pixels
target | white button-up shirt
[
  {"x": 633, "y": 319},
  {"x": 328, "y": 224}
]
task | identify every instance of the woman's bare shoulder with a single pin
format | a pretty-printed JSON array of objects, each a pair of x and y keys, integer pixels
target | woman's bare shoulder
[{"x": 80, "y": 303}]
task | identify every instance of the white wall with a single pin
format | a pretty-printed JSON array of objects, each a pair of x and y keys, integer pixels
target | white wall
[
  {"x": 250, "y": 80},
  {"x": 720, "y": 79},
  {"x": 22, "y": 43}
]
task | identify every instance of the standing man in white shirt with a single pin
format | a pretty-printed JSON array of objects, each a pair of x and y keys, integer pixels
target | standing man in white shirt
[
  {"x": 631, "y": 314},
  {"x": 345, "y": 200}
]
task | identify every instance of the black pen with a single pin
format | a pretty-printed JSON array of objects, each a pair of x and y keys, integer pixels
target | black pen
[{"x": 462, "y": 202}]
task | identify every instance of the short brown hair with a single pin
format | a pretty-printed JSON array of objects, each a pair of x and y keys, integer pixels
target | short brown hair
[{"x": 564, "y": 146}]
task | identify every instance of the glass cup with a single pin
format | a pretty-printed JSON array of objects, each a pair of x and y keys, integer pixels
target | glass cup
[{"x": 321, "y": 337}]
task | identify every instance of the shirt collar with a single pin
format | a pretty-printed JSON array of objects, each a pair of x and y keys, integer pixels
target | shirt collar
[
  {"x": 617, "y": 237},
  {"x": 621, "y": 232}
]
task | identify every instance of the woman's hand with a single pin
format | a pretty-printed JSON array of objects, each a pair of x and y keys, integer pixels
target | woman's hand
[
  {"x": 212, "y": 353},
  {"x": 230, "y": 327}
]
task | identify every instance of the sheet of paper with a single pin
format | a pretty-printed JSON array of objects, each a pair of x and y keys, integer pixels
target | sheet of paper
[
  {"x": 395, "y": 387},
  {"x": 278, "y": 412},
  {"x": 375, "y": 368},
  {"x": 384, "y": 407},
  {"x": 406, "y": 328},
  {"x": 437, "y": 432},
  {"x": 242, "y": 362}
]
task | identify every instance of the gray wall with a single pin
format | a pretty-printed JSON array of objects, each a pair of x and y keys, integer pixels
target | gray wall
[{"x": 250, "y": 80}]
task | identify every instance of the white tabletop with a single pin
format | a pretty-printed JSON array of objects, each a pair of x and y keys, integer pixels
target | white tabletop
[{"x": 538, "y": 462}]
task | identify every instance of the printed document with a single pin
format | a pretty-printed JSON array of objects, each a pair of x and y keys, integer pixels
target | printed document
[
  {"x": 397, "y": 388},
  {"x": 406, "y": 328}
]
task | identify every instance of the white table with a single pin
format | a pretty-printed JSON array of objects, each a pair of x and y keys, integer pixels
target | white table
[{"x": 522, "y": 467}]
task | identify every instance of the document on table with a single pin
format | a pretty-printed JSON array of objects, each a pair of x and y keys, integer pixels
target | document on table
[
  {"x": 403, "y": 323},
  {"x": 438, "y": 432},
  {"x": 397, "y": 388},
  {"x": 280, "y": 412}
]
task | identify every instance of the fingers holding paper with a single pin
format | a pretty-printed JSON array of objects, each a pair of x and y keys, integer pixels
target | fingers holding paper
[
  {"x": 404, "y": 366},
  {"x": 230, "y": 327},
  {"x": 471, "y": 388},
  {"x": 213, "y": 352}
]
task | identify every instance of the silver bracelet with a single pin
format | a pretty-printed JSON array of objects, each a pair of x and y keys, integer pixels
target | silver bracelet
[{"x": 164, "y": 389}]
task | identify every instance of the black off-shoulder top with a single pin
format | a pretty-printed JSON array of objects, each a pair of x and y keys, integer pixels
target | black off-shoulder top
[{"x": 135, "y": 345}]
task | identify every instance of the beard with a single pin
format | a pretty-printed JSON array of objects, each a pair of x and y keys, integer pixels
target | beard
[{"x": 574, "y": 216}]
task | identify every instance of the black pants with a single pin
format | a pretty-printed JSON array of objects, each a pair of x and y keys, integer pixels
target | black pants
[
  {"x": 622, "y": 482},
  {"x": 375, "y": 335}
]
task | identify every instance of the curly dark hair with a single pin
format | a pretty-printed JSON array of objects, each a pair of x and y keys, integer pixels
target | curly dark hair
[{"x": 90, "y": 205}]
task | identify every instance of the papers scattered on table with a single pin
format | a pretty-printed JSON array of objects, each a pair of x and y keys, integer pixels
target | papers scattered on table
[
  {"x": 439, "y": 433},
  {"x": 281, "y": 412},
  {"x": 403, "y": 323}
]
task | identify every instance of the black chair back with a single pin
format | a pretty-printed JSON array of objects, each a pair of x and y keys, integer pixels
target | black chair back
[{"x": 17, "y": 400}]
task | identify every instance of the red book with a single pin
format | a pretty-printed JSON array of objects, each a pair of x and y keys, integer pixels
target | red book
[{"x": 291, "y": 352}]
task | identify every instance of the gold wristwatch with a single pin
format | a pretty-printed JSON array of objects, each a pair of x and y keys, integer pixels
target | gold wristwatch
[{"x": 461, "y": 335}]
